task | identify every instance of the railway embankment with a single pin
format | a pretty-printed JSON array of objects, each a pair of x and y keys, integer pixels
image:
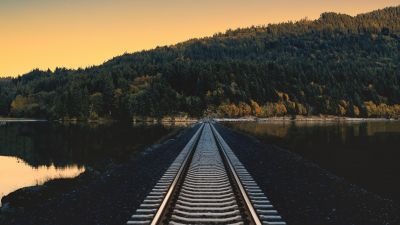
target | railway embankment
[{"x": 301, "y": 191}]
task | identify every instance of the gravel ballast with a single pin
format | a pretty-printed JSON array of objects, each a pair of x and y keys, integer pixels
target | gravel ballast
[{"x": 305, "y": 194}]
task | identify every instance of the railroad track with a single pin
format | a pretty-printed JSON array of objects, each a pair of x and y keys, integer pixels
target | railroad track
[{"x": 206, "y": 184}]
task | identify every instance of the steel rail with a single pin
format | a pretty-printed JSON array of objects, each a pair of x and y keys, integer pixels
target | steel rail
[
  {"x": 182, "y": 184},
  {"x": 238, "y": 182},
  {"x": 161, "y": 210}
]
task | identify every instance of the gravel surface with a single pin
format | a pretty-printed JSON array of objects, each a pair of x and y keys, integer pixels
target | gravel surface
[
  {"x": 94, "y": 198},
  {"x": 304, "y": 193}
]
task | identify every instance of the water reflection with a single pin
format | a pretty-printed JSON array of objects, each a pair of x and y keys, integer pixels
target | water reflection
[
  {"x": 34, "y": 152},
  {"x": 76, "y": 143},
  {"x": 365, "y": 153},
  {"x": 15, "y": 174}
]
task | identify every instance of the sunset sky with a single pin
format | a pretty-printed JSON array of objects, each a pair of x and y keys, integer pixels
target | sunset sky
[{"x": 78, "y": 33}]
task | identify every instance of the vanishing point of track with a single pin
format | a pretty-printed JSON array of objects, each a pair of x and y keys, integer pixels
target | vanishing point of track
[{"x": 206, "y": 184}]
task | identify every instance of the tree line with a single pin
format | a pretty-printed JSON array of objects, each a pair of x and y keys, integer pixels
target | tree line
[{"x": 335, "y": 65}]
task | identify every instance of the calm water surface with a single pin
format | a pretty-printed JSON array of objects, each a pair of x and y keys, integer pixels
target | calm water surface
[
  {"x": 364, "y": 153},
  {"x": 32, "y": 153}
]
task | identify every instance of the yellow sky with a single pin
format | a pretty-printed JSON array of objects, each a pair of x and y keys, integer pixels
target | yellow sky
[{"x": 78, "y": 33}]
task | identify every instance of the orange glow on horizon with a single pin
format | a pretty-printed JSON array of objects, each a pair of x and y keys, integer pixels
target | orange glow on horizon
[{"x": 53, "y": 33}]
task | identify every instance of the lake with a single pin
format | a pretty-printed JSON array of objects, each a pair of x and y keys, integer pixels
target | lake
[
  {"x": 363, "y": 153},
  {"x": 32, "y": 153}
]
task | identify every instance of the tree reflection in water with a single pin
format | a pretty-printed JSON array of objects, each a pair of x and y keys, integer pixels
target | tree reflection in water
[{"x": 364, "y": 153}]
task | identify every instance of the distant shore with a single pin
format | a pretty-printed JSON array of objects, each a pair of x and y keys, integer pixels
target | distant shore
[
  {"x": 302, "y": 118},
  {"x": 170, "y": 119},
  {"x": 10, "y": 120}
]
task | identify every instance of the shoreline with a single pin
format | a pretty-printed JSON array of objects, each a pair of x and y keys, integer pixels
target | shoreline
[
  {"x": 302, "y": 118},
  {"x": 322, "y": 118},
  {"x": 14, "y": 120}
]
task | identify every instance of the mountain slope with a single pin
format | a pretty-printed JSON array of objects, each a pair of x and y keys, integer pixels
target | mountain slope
[{"x": 337, "y": 64}]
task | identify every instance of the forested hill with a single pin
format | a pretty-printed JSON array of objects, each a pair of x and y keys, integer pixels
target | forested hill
[{"x": 337, "y": 64}]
